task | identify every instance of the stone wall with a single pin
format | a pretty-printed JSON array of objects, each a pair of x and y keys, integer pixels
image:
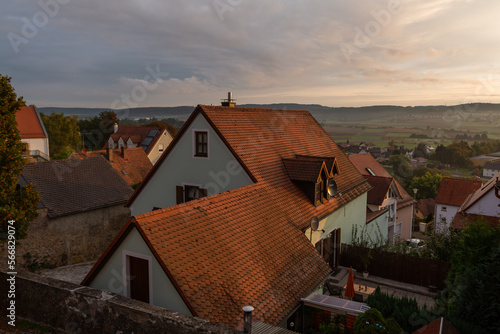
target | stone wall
[
  {"x": 72, "y": 308},
  {"x": 71, "y": 239}
]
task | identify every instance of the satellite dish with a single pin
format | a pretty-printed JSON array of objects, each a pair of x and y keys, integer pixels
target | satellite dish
[
  {"x": 332, "y": 187},
  {"x": 314, "y": 223}
]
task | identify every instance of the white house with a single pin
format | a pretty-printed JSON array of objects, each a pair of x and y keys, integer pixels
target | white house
[
  {"x": 491, "y": 168},
  {"x": 33, "y": 134},
  {"x": 484, "y": 203},
  {"x": 154, "y": 141},
  {"x": 451, "y": 195},
  {"x": 248, "y": 181}
]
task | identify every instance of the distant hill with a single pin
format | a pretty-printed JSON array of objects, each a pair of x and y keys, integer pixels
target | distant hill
[{"x": 321, "y": 113}]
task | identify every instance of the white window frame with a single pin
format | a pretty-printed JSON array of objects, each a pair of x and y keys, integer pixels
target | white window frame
[
  {"x": 193, "y": 131},
  {"x": 125, "y": 272}
]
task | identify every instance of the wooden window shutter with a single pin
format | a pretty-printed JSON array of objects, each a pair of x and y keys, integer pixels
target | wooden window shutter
[
  {"x": 179, "y": 192},
  {"x": 203, "y": 192},
  {"x": 317, "y": 193}
]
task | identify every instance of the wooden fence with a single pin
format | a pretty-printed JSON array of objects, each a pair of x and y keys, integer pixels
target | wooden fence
[{"x": 397, "y": 267}]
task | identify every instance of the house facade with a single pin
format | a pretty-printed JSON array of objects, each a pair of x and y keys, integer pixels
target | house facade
[
  {"x": 81, "y": 210},
  {"x": 154, "y": 141},
  {"x": 386, "y": 193},
  {"x": 484, "y": 203},
  {"x": 242, "y": 235},
  {"x": 451, "y": 195},
  {"x": 491, "y": 168},
  {"x": 131, "y": 163},
  {"x": 34, "y": 136}
]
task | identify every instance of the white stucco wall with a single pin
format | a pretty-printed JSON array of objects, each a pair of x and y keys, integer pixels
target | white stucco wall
[
  {"x": 487, "y": 205},
  {"x": 490, "y": 172},
  {"x": 110, "y": 278},
  {"x": 155, "y": 153},
  {"x": 353, "y": 213},
  {"x": 443, "y": 219},
  {"x": 218, "y": 172},
  {"x": 41, "y": 144}
]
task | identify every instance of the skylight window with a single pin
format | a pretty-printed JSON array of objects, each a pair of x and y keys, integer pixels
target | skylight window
[{"x": 369, "y": 170}]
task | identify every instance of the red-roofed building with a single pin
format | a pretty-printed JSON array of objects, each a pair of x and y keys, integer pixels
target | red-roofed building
[
  {"x": 154, "y": 141},
  {"x": 484, "y": 203},
  {"x": 33, "y": 134},
  {"x": 248, "y": 182},
  {"x": 386, "y": 193},
  {"x": 438, "y": 326},
  {"x": 131, "y": 163},
  {"x": 451, "y": 195}
]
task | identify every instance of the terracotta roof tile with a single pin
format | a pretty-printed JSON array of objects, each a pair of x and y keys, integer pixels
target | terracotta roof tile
[
  {"x": 137, "y": 134},
  {"x": 246, "y": 246},
  {"x": 136, "y": 163},
  {"x": 69, "y": 186},
  {"x": 455, "y": 191},
  {"x": 461, "y": 219},
  {"x": 380, "y": 187},
  {"x": 303, "y": 170},
  {"x": 30, "y": 124}
]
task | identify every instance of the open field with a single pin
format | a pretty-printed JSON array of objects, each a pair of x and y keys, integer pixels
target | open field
[{"x": 438, "y": 129}]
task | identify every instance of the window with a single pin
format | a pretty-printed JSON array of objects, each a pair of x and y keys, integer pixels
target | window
[
  {"x": 160, "y": 147},
  {"x": 443, "y": 208},
  {"x": 369, "y": 170},
  {"x": 318, "y": 192},
  {"x": 137, "y": 276},
  {"x": 189, "y": 193},
  {"x": 201, "y": 143}
]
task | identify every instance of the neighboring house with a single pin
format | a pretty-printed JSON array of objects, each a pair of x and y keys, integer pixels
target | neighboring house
[
  {"x": 438, "y": 326},
  {"x": 451, "y": 194},
  {"x": 154, "y": 141},
  {"x": 33, "y": 134},
  {"x": 251, "y": 180},
  {"x": 418, "y": 162},
  {"x": 484, "y": 203},
  {"x": 80, "y": 210},
  {"x": 491, "y": 168},
  {"x": 387, "y": 193},
  {"x": 424, "y": 208},
  {"x": 131, "y": 163}
]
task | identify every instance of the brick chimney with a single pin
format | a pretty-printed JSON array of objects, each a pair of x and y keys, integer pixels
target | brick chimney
[
  {"x": 124, "y": 152},
  {"x": 229, "y": 102},
  {"x": 109, "y": 154}
]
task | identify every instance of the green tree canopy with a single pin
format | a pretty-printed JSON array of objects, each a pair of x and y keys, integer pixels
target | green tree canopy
[
  {"x": 427, "y": 185},
  {"x": 97, "y": 129},
  {"x": 16, "y": 203},
  {"x": 64, "y": 134}
]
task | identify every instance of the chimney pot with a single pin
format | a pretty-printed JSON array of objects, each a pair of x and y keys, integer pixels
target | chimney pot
[
  {"x": 115, "y": 128},
  {"x": 247, "y": 319},
  {"x": 109, "y": 153}
]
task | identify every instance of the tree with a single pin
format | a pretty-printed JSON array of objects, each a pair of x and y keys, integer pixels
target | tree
[
  {"x": 372, "y": 321},
  {"x": 97, "y": 129},
  {"x": 64, "y": 134},
  {"x": 427, "y": 185},
  {"x": 401, "y": 167},
  {"x": 17, "y": 204}
]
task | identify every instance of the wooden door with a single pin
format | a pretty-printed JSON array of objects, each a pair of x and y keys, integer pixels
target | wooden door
[{"x": 138, "y": 278}]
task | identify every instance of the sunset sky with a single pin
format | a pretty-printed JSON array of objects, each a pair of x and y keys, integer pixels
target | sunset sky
[{"x": 139, "y": 53}]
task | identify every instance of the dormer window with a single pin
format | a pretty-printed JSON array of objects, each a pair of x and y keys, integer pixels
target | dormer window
[{"x": 314, "y": 176}]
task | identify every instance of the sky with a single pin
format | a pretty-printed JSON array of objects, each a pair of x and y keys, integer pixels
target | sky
[{"x": 140, "y": 53}]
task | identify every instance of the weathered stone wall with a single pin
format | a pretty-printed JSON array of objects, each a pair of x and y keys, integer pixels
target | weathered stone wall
[
  {"x": 72, "y": 308},
  {"x": 70, "y": 239}
]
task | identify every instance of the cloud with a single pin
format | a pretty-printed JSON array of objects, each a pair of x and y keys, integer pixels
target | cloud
[{"x": 89, "y": 53}]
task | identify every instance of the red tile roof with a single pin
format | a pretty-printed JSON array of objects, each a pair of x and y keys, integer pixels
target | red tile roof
[
  {"x": 438, "y": 326},
  {"x": 380, "y": 187},
  {"x": 135, "y": 164},
  {"x": 366, "y": 160},
  {"x": 461, "y": 219},
  {"x": 246, "y": 246},
  {"x": 137, "y": 134},
  {"x": 304, "y": 170},
  {"x": 426, "y": 206},
  {"x": 30, "y": 124},
  {"x": 455, "y": 191}
]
